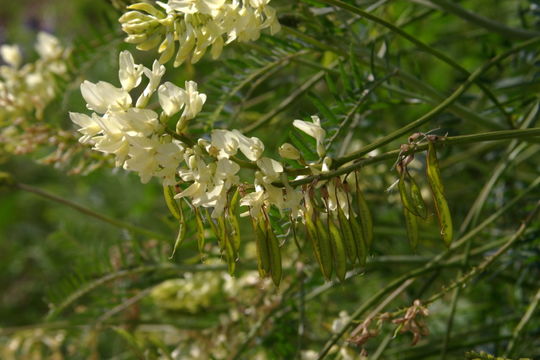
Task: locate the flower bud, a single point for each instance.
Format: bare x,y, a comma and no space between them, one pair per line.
288,151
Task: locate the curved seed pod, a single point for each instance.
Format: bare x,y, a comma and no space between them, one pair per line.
437,188
325,249
311,233
233,220
230,254
263,258
221,232
366,220
179,238
275,257
338,250
360,244
174,208
418,203
348,237
410,218
200,231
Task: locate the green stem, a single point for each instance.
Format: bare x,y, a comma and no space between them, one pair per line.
443,105
435,96
454,140
522,323
86,211
286,102
454,8
419,44
427,267
489,260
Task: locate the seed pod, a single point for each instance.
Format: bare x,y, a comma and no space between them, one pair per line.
261,241
410,218
364,214
348,237
360,244
275,256
174,208
200,231
233,220
311,233
418,203
338,250
437,188
226,244
179,238
325,249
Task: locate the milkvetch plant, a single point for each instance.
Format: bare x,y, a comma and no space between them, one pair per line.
305,148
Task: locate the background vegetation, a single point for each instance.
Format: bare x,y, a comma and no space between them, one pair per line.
98,283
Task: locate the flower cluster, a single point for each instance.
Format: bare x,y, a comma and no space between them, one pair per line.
196,25
137,135
25,90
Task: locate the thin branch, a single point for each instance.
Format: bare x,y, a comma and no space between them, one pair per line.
91,213
443,105
430,50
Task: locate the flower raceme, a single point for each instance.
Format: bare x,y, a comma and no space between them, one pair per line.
196,25
207,171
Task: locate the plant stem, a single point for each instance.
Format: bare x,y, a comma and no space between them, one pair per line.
86,211
427,267
419,44
392,155
443,105
522,323
491,25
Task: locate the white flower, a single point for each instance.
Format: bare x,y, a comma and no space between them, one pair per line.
48,47
103,96
137,122
11,55
288,151
129,73
226,142
207,7
270,168
255,201
226,172
314,130
89,126
194,100
171,98
252,147
154,77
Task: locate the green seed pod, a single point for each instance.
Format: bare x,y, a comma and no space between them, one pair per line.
233,220
410,218
172,204
364,214
325,249
200,231
311,233
437,188
418,203
261,241
179,237
348,237
359,242
338,250
275,257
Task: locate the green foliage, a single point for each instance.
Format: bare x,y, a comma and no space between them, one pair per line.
102,266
